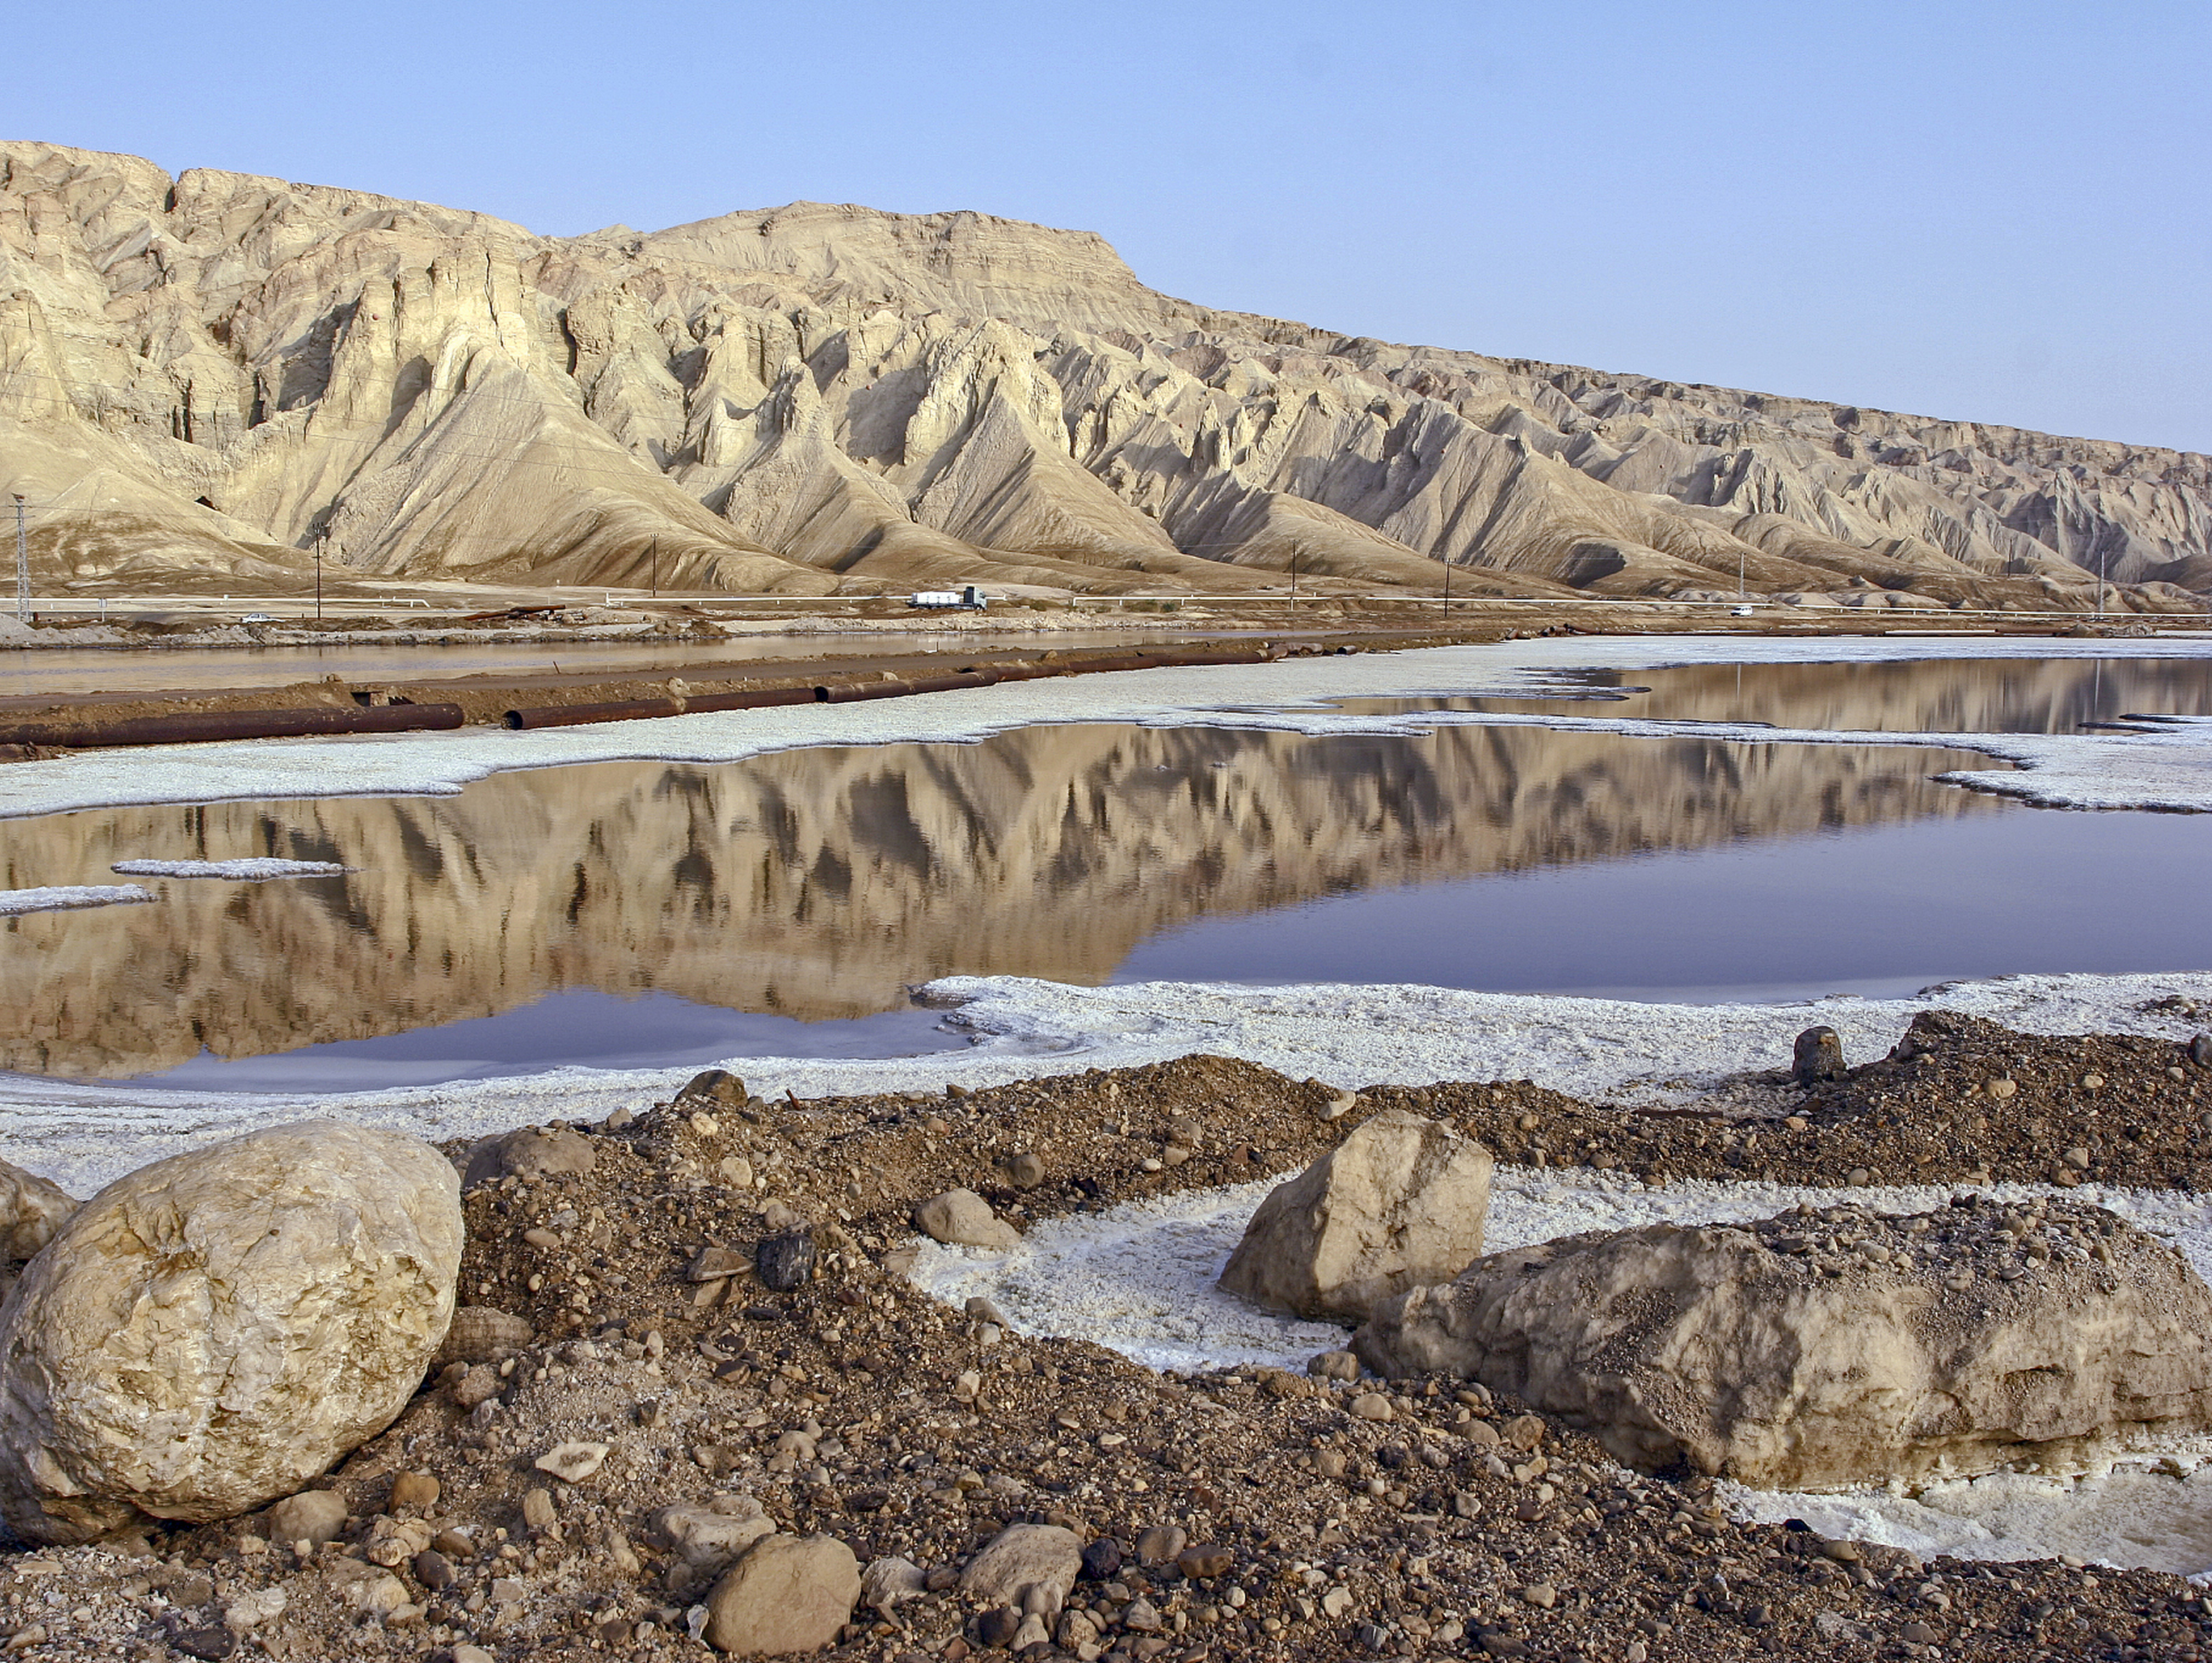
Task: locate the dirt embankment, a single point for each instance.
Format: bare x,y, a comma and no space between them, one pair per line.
1421,1518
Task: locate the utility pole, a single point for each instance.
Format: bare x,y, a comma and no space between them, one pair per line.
1447,588
1294,582
319,579
656,568
23,564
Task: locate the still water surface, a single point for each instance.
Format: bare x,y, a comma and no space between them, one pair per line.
645,913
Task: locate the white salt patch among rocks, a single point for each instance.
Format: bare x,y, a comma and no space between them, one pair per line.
257,871
68,897
2130,1516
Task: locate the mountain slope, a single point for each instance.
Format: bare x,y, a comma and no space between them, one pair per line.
218,373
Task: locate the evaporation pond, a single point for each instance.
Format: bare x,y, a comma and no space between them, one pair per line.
620,913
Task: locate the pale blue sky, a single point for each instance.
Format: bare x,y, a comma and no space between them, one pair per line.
1995,211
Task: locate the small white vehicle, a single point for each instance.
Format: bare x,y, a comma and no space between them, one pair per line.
258,617
1740,611
969,597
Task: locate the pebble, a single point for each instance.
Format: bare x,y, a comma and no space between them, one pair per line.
1371,1407
1161,1543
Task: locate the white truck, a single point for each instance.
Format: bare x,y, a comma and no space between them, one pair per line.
969,597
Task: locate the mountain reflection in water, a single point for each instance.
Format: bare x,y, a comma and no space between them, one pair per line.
820,883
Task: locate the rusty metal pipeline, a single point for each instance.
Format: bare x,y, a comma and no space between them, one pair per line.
188,728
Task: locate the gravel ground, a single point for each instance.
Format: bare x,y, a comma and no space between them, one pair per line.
1346,1519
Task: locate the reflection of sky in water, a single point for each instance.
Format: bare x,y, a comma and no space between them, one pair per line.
622,914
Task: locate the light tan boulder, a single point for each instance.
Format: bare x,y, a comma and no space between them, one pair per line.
1025,1557
786,1593
32,1209
1401,1203
962,1218
214,1330
1843,1347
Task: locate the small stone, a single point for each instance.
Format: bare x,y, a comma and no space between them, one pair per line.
2078,1158
380,1596
1858,1177
1162,1543
1023,1556
1916,1634
472,1654
1101,1559
786,1262
1205,1560
312,1516
412,1492
1335,1365
434,1570
715,1087
543,1238
985,1310
572,1462
2093,1082
995,1628
1543,1596
254,1607
1524,1431
478,1385
1371,1407
885,1583
2002,1089
786,1593
537,1510
1025,1171
1032,1632
1141,1617
482,1335
2200,1051
1336,1601
718,1265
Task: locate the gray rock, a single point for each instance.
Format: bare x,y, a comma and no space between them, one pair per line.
784,1594
713,1088
886,1582
530,1153
2200,1051
1817,1056
1333,1365
1159,1544
1399,1204
786,1262
709,1535
1025,1171
481,1333
963,1218
1786,1354
1021,1557
312,1516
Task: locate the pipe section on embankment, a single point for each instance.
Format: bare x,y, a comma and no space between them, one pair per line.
28,737
886,686
187,728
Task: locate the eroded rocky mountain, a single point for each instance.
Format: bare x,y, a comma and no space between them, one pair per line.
215,375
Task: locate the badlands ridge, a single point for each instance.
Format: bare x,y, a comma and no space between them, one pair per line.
203,380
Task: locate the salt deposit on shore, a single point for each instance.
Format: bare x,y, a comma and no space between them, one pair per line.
69,897
245,871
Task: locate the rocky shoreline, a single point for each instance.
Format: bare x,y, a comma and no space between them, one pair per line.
708,1333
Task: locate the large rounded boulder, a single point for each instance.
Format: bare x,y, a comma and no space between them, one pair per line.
209,1333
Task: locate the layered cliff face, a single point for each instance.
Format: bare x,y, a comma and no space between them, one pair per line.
217,373
817,884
